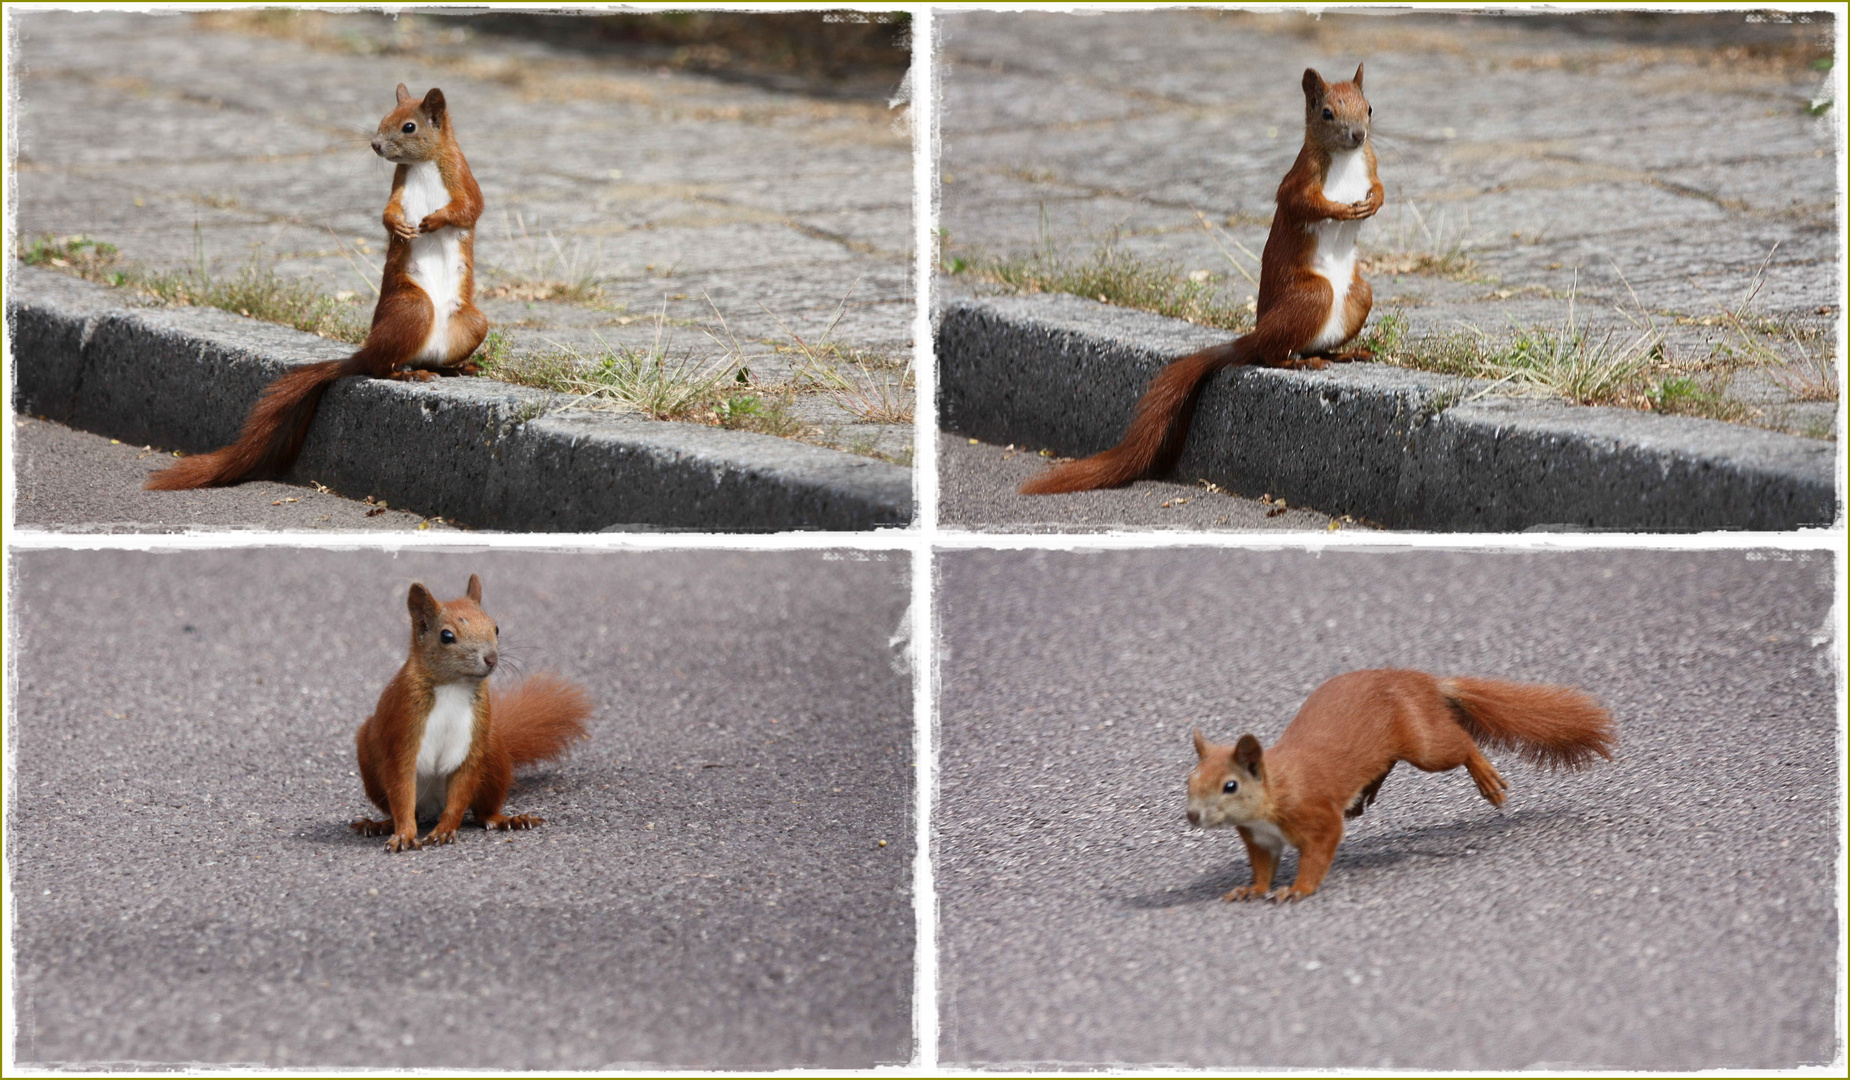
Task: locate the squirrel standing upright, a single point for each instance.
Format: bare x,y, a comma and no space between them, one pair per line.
1350,733
426,322
1312,299
440,742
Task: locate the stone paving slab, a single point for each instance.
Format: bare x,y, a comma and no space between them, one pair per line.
1572,156
179,137
1404,449
472,450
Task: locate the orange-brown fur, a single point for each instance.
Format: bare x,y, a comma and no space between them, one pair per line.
1333,758
277,425
1294,301
536,721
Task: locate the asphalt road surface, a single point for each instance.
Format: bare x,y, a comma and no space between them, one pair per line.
1673,909
976,491
72,481
709,889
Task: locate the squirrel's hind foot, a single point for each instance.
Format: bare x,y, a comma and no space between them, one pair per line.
1244,892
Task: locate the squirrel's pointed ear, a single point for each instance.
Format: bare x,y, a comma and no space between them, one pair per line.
1202,745
433,106
423,606
1358,77
1248,755
475,588
1314,86
404,93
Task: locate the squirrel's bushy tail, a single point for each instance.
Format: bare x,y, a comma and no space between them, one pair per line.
1161,425
539,719
1549,725
277,425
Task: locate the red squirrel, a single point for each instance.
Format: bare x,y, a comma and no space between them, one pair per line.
1312,299
426,321
1351,732
440,742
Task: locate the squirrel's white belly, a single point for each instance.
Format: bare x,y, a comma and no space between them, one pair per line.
436,258
447,734
1334,261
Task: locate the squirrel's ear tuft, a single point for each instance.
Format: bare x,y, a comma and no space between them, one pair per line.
1202,746
1314,86
434,107
404,93
1248,755
423,607
475,588
1358,77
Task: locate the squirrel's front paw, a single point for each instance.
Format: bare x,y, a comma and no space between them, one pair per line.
403,842
515,821
402,230
1244,892
431,223
1287,896
438,837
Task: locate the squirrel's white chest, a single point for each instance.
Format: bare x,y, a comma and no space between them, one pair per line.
436,257
1266,835
448,731
1346,182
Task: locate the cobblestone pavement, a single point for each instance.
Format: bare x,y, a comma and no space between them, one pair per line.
727,213
1612,163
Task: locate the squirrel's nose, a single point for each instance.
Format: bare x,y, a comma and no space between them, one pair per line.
491,659
1194,817
378,147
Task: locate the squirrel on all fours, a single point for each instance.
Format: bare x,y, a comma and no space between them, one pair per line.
1347,737
441,743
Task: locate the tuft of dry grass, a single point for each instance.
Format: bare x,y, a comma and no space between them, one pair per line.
1413,243
255,290
1112,276
543,270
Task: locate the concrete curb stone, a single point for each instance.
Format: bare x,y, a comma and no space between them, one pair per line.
1404,449
477,451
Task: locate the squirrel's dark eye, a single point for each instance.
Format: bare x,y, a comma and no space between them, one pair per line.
411,127
1371,110
497,631
447,638
1328,115
1227,788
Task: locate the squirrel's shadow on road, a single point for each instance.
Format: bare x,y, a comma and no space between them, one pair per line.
1446,841
335,831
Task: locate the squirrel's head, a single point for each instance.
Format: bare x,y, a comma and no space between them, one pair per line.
457,641
1228,784
1336,115
414,130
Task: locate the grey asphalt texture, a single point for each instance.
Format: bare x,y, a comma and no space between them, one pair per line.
976,491
708,891
1672,909
72,481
